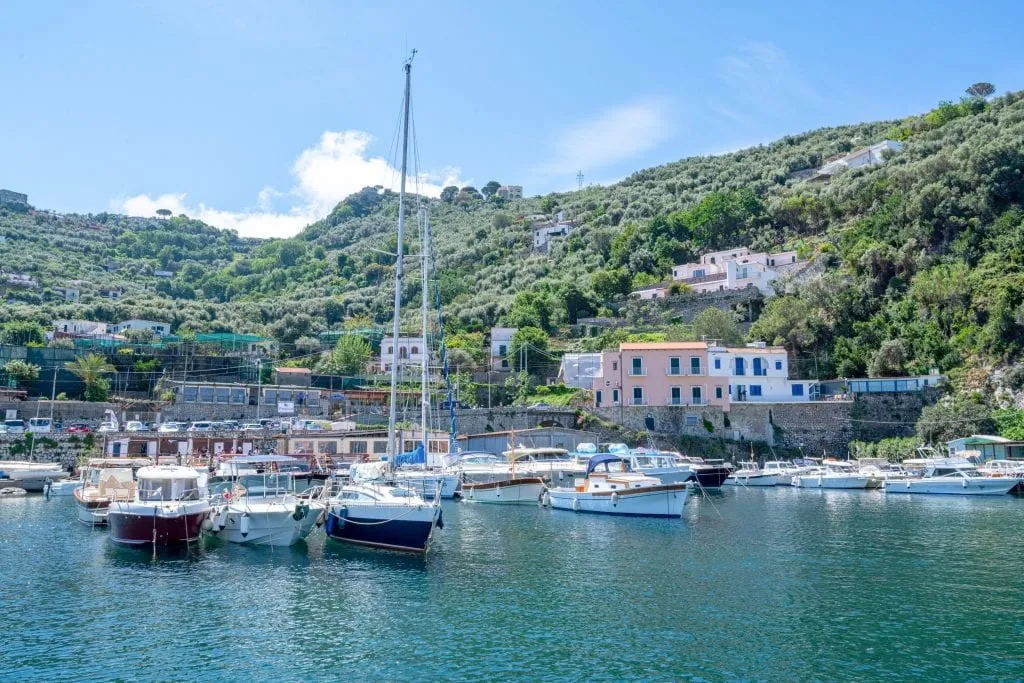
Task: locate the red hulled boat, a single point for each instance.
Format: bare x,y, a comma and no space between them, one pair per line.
169,507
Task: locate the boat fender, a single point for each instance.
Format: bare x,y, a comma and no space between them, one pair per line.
300,512
576,504
497,491
615,500
322,518
207,524
965,483
440,520
222,519
245,525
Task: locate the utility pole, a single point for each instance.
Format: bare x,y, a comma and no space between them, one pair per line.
259,386
53,392
579,179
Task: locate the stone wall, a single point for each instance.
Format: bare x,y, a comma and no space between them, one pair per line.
66,449
885,415
64,411
482,420
683,308
704,421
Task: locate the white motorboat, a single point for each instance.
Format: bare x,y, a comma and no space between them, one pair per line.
61,489
749,474
513,489
1004,468
953,476
429,482
103,480
478,467
784,471
836,474
550,464
665,466
169,508
611,487
263,507
30,476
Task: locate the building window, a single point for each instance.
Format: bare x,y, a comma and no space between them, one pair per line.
502,350
388,351
798,389
638,396
694,365
598,398
615,396
188,394
239,396
778,365
677,396
615,366
415,350
327,447
718,364
695,395
403,352
699,272
504,364
358,447
637,366
206,394
691,421
755,389
718,392
673,366
380,446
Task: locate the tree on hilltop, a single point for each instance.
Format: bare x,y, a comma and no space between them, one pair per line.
448,194
490,188
981,90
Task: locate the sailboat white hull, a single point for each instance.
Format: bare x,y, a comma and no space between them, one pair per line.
816,481
752,480
509,492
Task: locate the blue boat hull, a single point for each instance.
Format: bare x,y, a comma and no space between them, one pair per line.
406,535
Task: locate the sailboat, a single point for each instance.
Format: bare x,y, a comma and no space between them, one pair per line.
369,510
512,490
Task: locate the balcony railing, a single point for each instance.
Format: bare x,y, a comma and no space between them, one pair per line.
633,372
638,402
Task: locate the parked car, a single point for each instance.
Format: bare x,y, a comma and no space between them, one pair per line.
136,426
3,428
15,426
79,428
201,427
229,425
107,427
252,427
40,425
171,427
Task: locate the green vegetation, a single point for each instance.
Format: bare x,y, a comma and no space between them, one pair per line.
91,370
20,371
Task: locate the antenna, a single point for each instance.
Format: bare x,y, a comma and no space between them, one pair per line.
579,176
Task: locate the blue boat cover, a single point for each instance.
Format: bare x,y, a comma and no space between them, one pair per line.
606,457
415,457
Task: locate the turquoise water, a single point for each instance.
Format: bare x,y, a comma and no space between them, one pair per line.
753,584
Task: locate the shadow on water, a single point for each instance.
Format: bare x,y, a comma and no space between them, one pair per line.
339,551
132,556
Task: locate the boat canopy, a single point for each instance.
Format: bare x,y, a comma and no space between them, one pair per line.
618,448
606,458
586,448
413,457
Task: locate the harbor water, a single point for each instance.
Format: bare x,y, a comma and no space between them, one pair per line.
774,584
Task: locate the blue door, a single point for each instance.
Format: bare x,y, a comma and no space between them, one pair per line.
741,368
757,367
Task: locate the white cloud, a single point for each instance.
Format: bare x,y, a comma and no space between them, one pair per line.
613,136
337,166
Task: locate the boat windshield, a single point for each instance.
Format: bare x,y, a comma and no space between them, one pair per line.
265,485
646,461
480,459
154,490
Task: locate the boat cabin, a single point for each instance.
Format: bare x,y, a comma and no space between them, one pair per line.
165,483
609,473
539,454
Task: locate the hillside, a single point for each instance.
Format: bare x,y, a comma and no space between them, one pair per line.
925,255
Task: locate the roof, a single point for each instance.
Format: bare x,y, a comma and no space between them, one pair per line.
981,438
255,459
663,346
298,371
755,349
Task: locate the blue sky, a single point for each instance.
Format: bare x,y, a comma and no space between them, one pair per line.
259,116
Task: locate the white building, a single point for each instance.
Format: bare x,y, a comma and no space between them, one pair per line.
22,280
578,370
71,295
757,372
410,352
501,343
163,273
737,268
866,156
157,328
79,328
510,191
543,234
651,292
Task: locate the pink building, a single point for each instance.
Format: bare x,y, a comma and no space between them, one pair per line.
659,374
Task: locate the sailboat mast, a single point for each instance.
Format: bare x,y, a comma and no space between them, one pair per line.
425,368
393,411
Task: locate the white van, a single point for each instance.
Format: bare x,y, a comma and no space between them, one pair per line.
15,426
40,425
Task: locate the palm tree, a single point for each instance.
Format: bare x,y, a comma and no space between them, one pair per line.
90,369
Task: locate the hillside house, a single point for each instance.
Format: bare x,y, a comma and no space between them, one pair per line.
22,280
658,291
293,377
543,234
578,370
866,156
112,294
757,373
79,328
158,329
501,344
732,269
163,273
410,351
